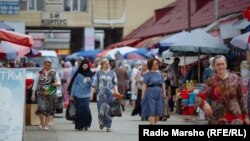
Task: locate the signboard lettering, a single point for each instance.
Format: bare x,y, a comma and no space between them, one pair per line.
53,19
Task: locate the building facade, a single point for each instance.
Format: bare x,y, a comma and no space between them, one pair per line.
72,25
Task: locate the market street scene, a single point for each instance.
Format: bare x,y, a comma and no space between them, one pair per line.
100,69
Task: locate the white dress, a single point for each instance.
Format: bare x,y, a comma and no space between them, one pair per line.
133,84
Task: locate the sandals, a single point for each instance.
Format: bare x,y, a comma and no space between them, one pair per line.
46,128
40,126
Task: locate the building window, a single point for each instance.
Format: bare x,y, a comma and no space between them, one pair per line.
67,5
36,5
31,4
23,5
39,5
75,5
83,6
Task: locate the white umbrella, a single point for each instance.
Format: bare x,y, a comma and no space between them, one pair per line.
199,41
241,41
121,50
173,39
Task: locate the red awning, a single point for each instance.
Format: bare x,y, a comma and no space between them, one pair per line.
129,42
149,42
17,38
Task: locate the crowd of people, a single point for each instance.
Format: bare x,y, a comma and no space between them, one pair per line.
150,85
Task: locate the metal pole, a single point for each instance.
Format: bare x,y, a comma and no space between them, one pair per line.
189,15
199,67
216,12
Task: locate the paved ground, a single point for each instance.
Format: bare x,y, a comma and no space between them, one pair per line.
124,128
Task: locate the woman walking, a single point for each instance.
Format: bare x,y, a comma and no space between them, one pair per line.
45,84
66,76
80,87
105,84
139,83
153,93
228,104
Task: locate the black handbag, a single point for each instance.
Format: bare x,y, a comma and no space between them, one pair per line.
115,109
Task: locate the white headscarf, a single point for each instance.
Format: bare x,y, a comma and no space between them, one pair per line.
211,63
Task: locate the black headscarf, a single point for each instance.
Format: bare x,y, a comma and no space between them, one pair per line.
85,73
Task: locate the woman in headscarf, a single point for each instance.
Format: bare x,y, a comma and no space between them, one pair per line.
45,84
66,76
80,87
105,84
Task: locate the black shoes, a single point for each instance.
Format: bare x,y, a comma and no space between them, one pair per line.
79,129
86,128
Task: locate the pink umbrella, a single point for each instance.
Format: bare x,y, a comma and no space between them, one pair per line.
12,51
135,56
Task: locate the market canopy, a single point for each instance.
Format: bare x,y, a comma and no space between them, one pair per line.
166,42
10,50
89,53
16,38
140,51
199,41
241,41
121,51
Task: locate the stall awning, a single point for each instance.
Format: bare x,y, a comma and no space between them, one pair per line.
241,24
149,42
129,42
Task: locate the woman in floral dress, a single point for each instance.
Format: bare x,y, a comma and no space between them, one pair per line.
105,84
228,104
46,84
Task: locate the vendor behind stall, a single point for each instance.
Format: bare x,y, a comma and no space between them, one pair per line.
174,75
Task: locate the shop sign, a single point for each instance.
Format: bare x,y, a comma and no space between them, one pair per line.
36,35
53,19
89,38
54,5
38,43
12,103
62,51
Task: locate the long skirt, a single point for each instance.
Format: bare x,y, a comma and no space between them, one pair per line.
46,105
137,108
104,99
83,113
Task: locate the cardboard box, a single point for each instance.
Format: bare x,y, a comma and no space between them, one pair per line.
31,117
